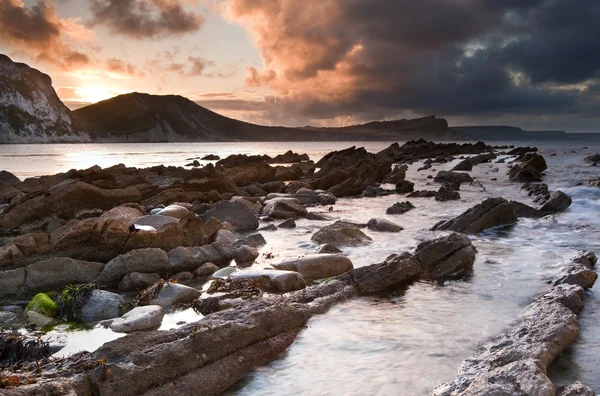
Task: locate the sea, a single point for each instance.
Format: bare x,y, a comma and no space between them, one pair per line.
414,338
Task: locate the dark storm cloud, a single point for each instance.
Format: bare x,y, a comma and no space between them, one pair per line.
373,59
141,19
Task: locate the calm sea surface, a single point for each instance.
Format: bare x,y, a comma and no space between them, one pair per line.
410,341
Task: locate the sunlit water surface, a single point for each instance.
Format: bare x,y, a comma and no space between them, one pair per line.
411,340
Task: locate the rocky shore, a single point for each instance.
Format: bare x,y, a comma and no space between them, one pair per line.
78,246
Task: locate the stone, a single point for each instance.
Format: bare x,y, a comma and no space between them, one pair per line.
245,255
173,293
224,237
341,233
329,248
422,194
592,159
137,281
150,260
235,213
404,186
7,318
223,272
579,272
490,213
253,240
446,193
139,318
211,157
289,223
42,304
558,202
274,281
181,277
38,319
576,389
188,258
528,169
452,177
12,284
56,273
155,221
397,174
464,165
317,266
176,211
383,225
523,210
7,178
101,305
284,209
400,208
206,269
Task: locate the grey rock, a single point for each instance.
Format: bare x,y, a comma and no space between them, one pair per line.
317,266
155,221
181,277
289,223
245,255
223,272
254,240
383,225
235,213
492,212
275,281
400,208
101,305
329,248
558,202
148,260
224,237
445,193
187,258
7,318
139,318
576,389
56,273
12,284
284,209
206,269
341,233
38,319
452,177
174,293
137,281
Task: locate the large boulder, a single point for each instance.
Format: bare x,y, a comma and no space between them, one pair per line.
245,255
150,260
139,318
56,273
341,233
558,202
236,213
284,208
529,168
317,266
274,281
492,212
446,193
451,177
101,305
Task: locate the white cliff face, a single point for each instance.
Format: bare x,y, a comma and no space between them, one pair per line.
30,110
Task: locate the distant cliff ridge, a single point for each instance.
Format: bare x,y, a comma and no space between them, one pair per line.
514,133
31,112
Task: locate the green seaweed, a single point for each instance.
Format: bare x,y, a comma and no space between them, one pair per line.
72,299
43,304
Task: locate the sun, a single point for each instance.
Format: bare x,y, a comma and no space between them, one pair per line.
93,94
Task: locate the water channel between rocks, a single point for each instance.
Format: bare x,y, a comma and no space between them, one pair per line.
415,338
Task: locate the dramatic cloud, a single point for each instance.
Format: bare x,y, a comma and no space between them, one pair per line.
142,19
373,59
38,32
120,67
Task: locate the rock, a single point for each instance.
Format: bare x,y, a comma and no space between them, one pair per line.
56,273
8,318
341,233
422,194
38,319
274,281
170,294
223,273
284,209
149,260
318,265
205,270
528,169
452,177
576,389
492,212
305,191
593,182
526,211
245,255
397,174
181,277
211,157
190,258
235,213
539,191
254,240
592,159
42,304
12,284
137,281
101,305
224,237
465,165
579,272
270,227
155,221
289,223
558,202
400,208
446,193
318,216
383,225
139,318
13,309
289,157
329,248
404,186
7,178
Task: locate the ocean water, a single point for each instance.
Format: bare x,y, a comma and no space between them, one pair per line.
415,338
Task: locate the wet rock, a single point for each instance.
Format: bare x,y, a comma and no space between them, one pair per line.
254,240
492,212
101,305
139,318
7,318
206,269
289,223
593,182
422,194
274,281
529,168
42,304
235,213
317,266
149,260
181,277
350,187
421,149
558,202
223,272
329,248
245,255
155,221
289,157
452,177
7,178
56,273
539,191
211,157
188,258
404,186
38,319
12,284
341,233
167,294
465,165
592,159
137,281
284,209
176,211
225,237
397,174
400,208
523,210
318,216
446,193
576,389
383,225
579,272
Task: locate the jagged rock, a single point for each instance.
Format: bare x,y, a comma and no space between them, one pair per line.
539,191
421,149
350,187
464,165
254,240
399,208
56,273
523,210
245,255
422,194
446,193
404,186
579,272
169,294
576,389
7,178
492,212
286,208
235,213
341,233
317,266
452,177
211,157
101,305
275,281
289,157
255,206
383,225
206,269
558,202
289,223
139,318
137,281
593,182
397,174
592,159
528,169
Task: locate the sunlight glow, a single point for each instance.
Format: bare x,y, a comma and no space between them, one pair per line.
93,94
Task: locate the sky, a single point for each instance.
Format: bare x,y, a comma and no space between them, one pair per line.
528,63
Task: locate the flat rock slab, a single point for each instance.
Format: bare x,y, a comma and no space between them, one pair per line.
139,318
490,213
318,265
276,281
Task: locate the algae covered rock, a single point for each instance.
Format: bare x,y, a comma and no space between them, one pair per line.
42,304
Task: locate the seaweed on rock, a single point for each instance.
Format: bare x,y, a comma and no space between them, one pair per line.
73,298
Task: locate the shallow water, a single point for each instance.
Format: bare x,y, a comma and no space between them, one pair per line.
409,341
